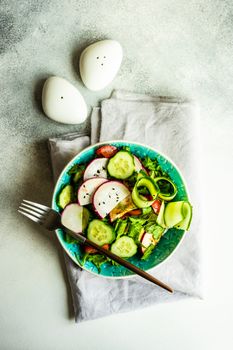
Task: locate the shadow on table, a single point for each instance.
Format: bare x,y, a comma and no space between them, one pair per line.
38,187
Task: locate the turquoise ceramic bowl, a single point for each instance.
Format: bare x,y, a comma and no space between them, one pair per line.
168,242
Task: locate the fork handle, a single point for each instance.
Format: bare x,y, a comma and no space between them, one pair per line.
121,261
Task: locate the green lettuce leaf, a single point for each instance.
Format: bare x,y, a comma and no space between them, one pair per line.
130,182
77,171
153,166
136,226
69,239
148,252
96,259
146,211
155,229
126,148
150,164
121,227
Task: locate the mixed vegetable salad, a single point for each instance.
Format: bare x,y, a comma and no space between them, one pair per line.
122,203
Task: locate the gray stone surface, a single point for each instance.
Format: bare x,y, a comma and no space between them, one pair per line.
171,47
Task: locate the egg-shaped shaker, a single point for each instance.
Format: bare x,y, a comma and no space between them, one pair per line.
62,102
99,63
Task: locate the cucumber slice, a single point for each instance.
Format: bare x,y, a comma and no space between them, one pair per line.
173,213
100,233
160,218
171,193
187,212
139,200
124,247
121,166
65,196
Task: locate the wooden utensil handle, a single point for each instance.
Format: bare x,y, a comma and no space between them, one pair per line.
122,262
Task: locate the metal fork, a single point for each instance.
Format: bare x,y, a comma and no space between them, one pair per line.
51,220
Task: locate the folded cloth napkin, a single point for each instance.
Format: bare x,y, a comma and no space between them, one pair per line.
171,126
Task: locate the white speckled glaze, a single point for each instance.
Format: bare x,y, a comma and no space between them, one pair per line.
99,64
62,102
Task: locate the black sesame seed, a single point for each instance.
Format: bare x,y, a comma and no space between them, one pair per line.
103,202
99,203
109,196
113,188
98,172
104,168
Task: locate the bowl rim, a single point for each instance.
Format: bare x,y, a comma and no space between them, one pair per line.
65,170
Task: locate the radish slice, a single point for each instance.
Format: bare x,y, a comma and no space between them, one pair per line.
107,196
96,168
146,240
87,189
138,164
71,217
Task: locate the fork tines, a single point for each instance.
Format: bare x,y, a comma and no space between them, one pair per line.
34,211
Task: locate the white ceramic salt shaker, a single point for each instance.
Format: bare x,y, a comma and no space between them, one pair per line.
99,63
62,102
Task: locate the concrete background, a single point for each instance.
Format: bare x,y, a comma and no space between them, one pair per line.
171,47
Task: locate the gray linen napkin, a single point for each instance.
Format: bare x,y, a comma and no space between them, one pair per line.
172,126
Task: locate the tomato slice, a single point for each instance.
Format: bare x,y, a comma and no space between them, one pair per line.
134,212
90,250
106,246
156,206
148,197
106,151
